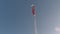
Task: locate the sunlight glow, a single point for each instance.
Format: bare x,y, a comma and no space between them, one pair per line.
57,29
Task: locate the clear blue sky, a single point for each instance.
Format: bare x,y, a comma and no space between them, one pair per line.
16,16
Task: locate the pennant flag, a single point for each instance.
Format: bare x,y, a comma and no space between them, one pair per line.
33,9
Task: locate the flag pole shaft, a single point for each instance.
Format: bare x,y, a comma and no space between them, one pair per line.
35,25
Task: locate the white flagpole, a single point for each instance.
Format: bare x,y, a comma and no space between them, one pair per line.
35,25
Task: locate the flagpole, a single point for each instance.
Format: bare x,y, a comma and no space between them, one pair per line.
35,24
35,18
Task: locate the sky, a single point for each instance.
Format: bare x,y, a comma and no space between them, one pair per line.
16,16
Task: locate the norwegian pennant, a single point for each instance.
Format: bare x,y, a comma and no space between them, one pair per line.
33,10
